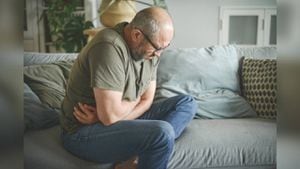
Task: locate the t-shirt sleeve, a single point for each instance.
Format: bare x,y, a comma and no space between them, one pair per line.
154,74
155,63
106,67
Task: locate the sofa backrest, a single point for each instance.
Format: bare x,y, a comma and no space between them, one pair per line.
33,58
210,73
257,52
190,70
211,67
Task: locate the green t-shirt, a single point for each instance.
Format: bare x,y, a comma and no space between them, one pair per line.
105,63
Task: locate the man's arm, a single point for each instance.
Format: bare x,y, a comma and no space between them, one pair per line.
110,106
144,104
88,115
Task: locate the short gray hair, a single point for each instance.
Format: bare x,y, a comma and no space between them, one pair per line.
145,21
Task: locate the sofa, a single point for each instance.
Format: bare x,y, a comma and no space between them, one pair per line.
234,127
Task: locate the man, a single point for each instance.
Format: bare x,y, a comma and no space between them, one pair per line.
108,115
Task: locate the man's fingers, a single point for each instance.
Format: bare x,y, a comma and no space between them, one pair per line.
79,117
87,107
79,112
83,109
91,108
85,114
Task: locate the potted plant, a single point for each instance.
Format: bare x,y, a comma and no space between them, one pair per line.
67,25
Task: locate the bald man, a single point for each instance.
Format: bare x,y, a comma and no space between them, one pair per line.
108,114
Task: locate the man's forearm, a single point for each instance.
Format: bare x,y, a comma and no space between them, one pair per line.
139,109
127,107
113,108
144,104
123,110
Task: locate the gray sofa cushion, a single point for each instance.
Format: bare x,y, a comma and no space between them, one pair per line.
45,76
226,143
36,114
210,75
43,150
193,70
48,81
220,143
221,103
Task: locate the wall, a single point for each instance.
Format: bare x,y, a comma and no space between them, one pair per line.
196,21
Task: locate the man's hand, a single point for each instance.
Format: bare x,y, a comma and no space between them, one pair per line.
86,114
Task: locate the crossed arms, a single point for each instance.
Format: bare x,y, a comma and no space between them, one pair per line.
110,108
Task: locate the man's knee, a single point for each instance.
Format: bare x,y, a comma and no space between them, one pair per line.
164,131
188,101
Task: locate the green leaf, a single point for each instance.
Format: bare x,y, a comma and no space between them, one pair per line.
66,27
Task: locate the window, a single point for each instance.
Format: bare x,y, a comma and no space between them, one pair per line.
246,26
270,27
30,26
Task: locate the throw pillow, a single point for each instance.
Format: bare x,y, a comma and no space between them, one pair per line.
48,81
210,75
217,104
259,85
221,103
198,69
36,114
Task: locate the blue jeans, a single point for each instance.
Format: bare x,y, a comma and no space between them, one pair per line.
150,137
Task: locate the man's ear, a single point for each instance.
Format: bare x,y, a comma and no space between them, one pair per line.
136,35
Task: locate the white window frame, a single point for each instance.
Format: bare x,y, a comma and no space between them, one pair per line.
91,11
31,35
268,14
262,25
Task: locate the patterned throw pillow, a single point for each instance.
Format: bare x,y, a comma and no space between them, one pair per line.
259,85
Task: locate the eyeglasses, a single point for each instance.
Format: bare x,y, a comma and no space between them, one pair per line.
157,49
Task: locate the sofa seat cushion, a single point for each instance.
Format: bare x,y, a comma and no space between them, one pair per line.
226,143
230,143
43,150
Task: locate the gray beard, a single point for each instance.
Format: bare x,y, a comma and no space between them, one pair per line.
135,54
137,57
